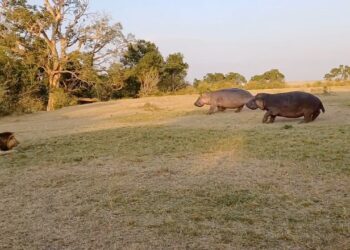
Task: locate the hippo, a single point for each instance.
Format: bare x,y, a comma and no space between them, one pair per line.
223,99
7,141
290,104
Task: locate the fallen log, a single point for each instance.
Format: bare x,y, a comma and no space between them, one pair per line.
87,100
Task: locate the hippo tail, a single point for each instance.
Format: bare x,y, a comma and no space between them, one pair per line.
322,108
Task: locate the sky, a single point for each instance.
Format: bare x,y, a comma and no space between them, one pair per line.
302,38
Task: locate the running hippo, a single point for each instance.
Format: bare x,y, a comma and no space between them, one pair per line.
291,105
224,99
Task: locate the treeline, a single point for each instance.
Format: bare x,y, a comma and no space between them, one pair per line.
53,54
338,76
212,81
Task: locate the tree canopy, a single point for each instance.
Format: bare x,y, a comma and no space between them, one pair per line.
55,34
58,49
341,73
273,75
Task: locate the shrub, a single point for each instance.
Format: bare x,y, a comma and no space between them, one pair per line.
188,90
265,85
63,99
204,86
29,104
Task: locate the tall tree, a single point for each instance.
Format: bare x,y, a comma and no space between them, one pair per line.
342,73
273,75
136,51
60,27
142,60
236,78
214,77
175,71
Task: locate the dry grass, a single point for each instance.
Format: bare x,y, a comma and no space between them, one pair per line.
157,173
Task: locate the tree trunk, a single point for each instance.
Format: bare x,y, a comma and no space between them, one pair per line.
53,86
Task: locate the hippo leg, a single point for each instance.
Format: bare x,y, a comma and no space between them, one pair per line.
315,114
272,119
266,116
239,109
221,109
211,109
307,118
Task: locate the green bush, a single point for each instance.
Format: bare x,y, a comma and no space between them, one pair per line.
29,104
4,107
328,84
63,99
204,86
265,85
188,90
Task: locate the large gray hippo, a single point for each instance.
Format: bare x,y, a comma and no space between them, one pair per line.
233,98
290,104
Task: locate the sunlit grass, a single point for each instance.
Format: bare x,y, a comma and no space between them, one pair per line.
194,181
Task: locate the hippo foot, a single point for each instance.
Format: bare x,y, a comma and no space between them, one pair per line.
239,110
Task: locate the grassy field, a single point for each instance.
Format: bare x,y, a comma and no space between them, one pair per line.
155,173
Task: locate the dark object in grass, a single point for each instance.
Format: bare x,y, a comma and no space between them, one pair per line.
87,100
220,100
287,126
290,104
8,141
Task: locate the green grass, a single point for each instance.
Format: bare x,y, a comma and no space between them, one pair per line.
200,182
327,147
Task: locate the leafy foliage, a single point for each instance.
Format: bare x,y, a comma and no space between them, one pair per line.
174,73
215,81
273,75
146,72
342,73
58,49
57,41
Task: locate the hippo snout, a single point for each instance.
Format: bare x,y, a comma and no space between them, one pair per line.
252,104
198,103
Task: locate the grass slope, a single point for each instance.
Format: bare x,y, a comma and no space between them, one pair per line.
172,177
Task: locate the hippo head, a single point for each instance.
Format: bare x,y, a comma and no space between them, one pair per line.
257,102
202,100
12,142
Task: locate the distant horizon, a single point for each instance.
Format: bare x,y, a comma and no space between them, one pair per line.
303,39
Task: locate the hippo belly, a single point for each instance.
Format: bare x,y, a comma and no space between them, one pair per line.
231,102
288,112
291,115
231,99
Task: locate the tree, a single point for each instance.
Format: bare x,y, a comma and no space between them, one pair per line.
149,80
342,73
273,75
136,51
235,78
55,30
213,77
20,79
140,58
174,73
196,82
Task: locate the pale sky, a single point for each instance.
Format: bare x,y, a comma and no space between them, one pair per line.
302,38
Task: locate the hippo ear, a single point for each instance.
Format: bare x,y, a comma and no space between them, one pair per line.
260,103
